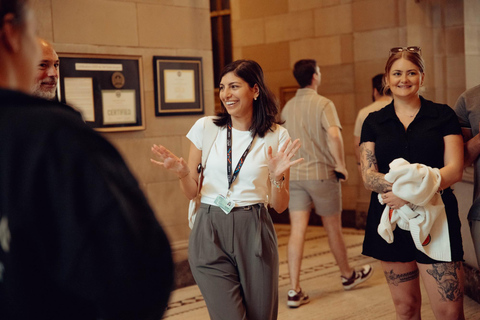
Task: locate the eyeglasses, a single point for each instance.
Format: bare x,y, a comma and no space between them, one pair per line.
413,49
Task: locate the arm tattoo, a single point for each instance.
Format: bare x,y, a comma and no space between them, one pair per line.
371,159
447,280
397,278
374,180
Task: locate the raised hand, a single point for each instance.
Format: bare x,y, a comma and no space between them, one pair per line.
170,161
281,162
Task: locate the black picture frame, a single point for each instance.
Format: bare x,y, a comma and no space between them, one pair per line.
178,85
113,86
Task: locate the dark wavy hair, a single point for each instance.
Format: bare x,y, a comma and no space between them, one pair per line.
379,84
265,108
413,57
303,71
16,7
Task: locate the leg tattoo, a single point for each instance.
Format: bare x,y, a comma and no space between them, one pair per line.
447,280
397,278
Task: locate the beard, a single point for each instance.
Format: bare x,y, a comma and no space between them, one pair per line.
44,93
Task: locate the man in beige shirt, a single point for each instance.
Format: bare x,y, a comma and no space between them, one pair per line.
315,182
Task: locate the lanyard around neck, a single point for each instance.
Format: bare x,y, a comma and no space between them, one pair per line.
232,177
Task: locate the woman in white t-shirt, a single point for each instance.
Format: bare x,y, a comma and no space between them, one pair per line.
233,246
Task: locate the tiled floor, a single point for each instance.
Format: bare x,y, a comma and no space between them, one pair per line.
320,278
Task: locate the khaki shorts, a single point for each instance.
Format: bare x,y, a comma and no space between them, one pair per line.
324,195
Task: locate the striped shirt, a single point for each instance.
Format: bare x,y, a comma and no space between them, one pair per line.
307,117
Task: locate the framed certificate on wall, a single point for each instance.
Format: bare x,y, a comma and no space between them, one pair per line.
106,89
178,85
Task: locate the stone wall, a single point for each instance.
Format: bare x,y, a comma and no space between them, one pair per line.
350,39
144,28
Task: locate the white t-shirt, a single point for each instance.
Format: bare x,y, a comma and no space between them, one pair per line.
251,185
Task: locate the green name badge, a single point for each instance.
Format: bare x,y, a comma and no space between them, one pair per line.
225,204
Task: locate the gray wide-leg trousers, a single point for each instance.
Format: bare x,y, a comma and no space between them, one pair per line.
234,260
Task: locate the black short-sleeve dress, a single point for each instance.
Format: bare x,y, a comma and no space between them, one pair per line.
422,142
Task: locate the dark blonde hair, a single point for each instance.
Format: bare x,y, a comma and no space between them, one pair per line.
413,57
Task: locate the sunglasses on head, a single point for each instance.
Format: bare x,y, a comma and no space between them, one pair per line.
413,49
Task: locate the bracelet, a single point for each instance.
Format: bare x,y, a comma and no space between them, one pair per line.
277,184
180,178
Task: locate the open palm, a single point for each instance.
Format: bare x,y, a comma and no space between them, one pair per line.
168,160
281,162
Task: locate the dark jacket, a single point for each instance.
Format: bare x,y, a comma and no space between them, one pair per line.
78,239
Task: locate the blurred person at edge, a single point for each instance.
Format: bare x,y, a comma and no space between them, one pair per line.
426,135
46,78
467,109
78,239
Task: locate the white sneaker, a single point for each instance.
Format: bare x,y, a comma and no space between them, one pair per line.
296,299
359,275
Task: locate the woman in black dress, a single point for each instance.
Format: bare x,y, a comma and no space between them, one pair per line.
421,132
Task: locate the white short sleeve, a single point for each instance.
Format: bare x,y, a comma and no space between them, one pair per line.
283,137
195,135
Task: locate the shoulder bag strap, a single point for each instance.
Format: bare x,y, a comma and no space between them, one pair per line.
210,131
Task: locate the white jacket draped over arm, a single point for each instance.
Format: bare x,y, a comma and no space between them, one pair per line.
425,214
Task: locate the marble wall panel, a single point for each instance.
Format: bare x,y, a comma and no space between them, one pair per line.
376,44
333,20
295,5
43,12
276,80
374,14
420,14
421,36
248,33
252,9
454,13
205,4
287,27
337,79
365,71
471,8
346,42
472,76
472,39
271,57
455,76
455,40
326,50
111,23
178,27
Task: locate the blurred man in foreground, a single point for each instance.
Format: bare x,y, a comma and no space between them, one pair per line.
78,239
